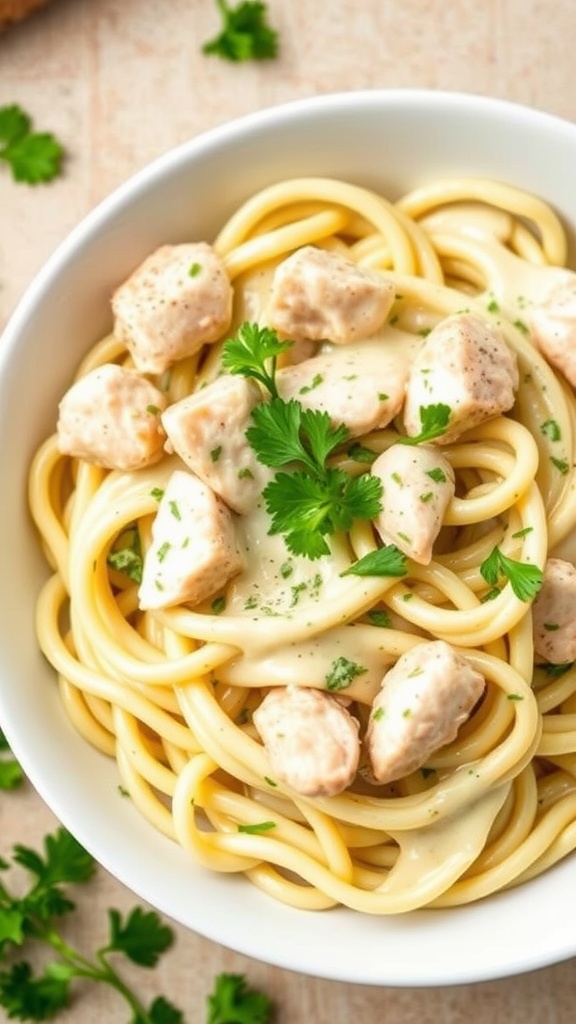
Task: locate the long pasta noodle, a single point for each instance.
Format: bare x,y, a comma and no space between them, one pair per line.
170,693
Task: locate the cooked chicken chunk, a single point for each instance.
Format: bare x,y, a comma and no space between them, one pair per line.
193,552
553,327
177,300
320,295
111,418
311,740
360,385
425,698
465,364
554,613
417,487
208,431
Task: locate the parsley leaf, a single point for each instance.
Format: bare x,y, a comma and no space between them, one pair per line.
11,774
284,432
385,561
33,157
524,578
342,673
245,35
233,1002
314,499
305,508
253,352
434,420
126,555
141,937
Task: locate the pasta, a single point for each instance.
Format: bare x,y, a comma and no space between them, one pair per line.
170,693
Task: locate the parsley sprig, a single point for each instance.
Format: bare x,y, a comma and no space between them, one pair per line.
313,500
524,578
33,157
245,33
140,936
253,352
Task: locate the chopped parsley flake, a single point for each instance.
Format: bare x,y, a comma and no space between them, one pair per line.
551,430
194,269
173,506
560,464
437,474
258,828
314,383
216,453
218,604
342,673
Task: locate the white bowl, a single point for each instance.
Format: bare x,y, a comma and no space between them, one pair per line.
389,140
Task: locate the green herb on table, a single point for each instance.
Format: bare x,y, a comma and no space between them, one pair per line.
314,499
524,578
11,774
140,936
245,33
233,1002
33,157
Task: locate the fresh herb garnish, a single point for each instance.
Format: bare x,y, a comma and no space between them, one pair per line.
33,157
524,578
126,555
233,1002
33,916
245,33
257,828
551,430
313,500
11,774
253,352
342,673
434,420
385,561
360,453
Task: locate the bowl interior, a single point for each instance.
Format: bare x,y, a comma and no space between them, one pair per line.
391,141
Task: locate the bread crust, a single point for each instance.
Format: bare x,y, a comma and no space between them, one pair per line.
14,10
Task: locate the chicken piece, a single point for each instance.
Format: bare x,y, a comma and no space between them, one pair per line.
193,552
417,487
311,739
111,418
424,699
466,364
177,300
360,385
552,324
320,295
208,431
554,613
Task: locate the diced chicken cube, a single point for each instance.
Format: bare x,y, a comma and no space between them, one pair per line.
417,487
360,385
425,698
208,431
111,418
465,364
552,325
177,300
321,295
311,740
554,613
193,552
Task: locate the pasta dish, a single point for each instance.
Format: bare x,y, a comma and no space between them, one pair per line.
309,516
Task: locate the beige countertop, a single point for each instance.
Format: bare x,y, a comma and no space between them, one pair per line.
122,81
